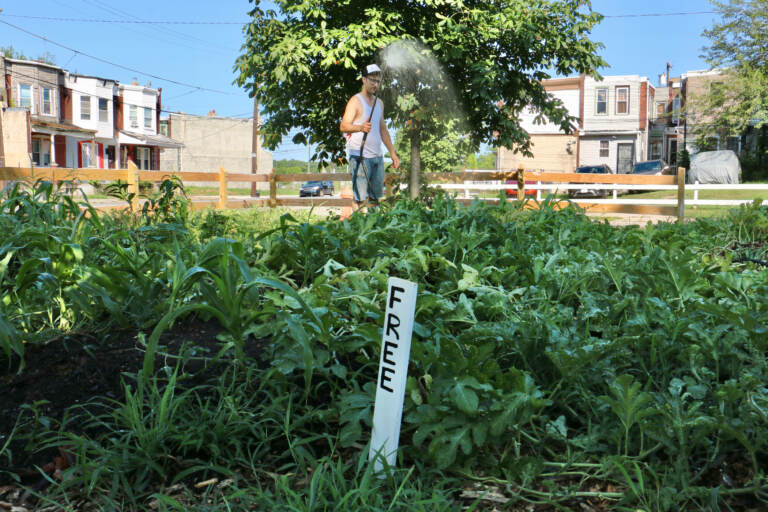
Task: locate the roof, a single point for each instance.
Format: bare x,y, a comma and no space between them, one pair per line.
59,127
162,141
33,63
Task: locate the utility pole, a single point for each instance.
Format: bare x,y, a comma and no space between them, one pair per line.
255,147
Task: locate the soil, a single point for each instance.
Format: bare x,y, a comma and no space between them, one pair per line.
78,370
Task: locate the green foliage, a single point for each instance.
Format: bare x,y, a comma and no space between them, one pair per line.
12,53
301,62
737,46
552,355
445,152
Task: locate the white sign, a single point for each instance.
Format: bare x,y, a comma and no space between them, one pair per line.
393,370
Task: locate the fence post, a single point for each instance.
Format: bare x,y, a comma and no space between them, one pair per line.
133,184
222,188
680,194
272,189
521,183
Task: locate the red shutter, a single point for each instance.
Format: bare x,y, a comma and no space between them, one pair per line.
100,149
79,154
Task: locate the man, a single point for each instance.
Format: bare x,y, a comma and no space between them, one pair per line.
368,168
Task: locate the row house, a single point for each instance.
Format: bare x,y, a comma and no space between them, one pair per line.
35,131
615,121
667,127
552,149
612,125
621,120
56,118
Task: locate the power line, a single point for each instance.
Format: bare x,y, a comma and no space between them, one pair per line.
105,61
657,14
167,31
136,22
185,22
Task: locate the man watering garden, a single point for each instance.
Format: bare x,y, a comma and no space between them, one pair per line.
364,128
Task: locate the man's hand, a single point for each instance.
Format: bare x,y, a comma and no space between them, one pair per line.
365,127
395,161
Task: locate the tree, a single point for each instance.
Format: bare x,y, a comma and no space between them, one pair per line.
439,153
12,53
738,46
302,60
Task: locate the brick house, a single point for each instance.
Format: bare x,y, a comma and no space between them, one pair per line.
697,84
667,128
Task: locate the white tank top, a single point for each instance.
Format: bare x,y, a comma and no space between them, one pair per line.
373,142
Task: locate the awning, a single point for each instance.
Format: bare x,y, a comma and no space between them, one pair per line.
141,139
50,127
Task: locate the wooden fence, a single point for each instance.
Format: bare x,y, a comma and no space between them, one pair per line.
519,180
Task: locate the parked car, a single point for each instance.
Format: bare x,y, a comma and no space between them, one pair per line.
316,188
715,167
653,168
512,192
591,192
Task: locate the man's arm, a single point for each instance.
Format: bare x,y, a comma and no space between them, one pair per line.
387,140
350,114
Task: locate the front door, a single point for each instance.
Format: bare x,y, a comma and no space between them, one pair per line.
625,157
672,151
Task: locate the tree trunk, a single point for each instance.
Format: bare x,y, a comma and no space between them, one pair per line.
415,164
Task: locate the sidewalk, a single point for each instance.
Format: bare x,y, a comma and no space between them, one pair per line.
625,219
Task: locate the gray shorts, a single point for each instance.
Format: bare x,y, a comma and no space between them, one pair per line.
374,167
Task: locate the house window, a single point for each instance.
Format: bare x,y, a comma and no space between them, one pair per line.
604,149
134,116
143,155
41,152
103,111
676,109
147,118
47,101
25,96
655,150
622,100
85,108
661,109
601,106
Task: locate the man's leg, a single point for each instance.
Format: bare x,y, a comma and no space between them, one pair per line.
359,183
375,168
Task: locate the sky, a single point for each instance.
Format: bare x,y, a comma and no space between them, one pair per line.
193,63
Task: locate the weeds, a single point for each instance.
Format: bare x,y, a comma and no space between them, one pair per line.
564,359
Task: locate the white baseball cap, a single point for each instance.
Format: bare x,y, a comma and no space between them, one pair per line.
370,69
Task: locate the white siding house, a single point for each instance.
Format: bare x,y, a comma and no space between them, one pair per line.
137,126
92,109
615,121
552,148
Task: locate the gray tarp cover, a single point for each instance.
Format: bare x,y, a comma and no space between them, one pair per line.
715,167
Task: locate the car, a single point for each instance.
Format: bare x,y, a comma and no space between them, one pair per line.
512,192
316,188
591,192
652,168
